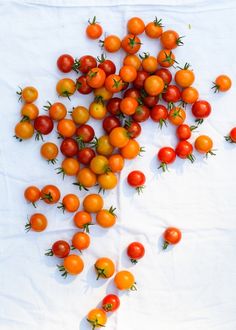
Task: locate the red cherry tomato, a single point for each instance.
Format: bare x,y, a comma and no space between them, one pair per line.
165,75
132,92
113,106
43,125
166,155
159,113
171,235
138,83
137,180
232,136
85,155
85,133
150,101
201,109
106,65
135,251
184,149
110,303
65,63
109,123
60,249
184,131
141,114
133,128
69,147
86,63
82,86
172,94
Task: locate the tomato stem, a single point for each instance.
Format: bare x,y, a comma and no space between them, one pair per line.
228,139
62,207
140,189
164,167
215,87
134,261
49,253
161,123
165,245
81,187
63,270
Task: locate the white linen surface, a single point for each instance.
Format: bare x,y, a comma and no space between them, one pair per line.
193,285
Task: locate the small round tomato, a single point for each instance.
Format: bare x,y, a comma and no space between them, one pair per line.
56,111
28,94
107,181
93,203
183,132
184,77
94,29
106,65
150,101
103,146
203,144
81,241
201,109
171,94
60,249
142,75
37,222
124,280
99,164
83,220
109,123
86,63
116,163
43,125
80,115
128,73
189,95
141,114
166,58
84,134
24,130
149,63
170,39
165,75
133,128
106,218
159,114
96,78
232,136
135,251
166,155
72,265
65,63
137,180
135,25
131,44
97,110
66,87
111,43
69,147
70,203
114,83
110,303
222,84
29,111
133,60
97,318
86,179
69,166
131,150
119,137
49,151
32,194
128,105
50,194
154,85
82,86
102,94
113,106
66,127
85,155
133,92
171,235
104,267
184,150
177,116
154,29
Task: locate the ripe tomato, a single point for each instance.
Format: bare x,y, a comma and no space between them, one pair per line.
171,94
170,39
116,163
106,218
104,267
124,280
106,65
119,137
184,77
94,29
32,194
70,203
43,125
28,94
128,105
133,128
135,25
128,73
66,87
232,136
111,43
107,181
189,95
82,86
24,130
81,241
102,94
83,220
29,111
86,179
109,123
131,150
159,113
166,155
133,92
184,132
184,150
84,134
154,29
177,116
69,166
150,101
114,83
171,235
133,60
69,147
135,251
113,106
60,249
203,144
142,75
131,44
37,222
93,203
165,75
103,146
65,63
86,63
154,85
49,151
80,115
110,303
149,63
66,127
50,194
97,110
99,165
72,265
96,78
141,114
222,84
137,180
56,111
166,58
85,155
97,318
201,109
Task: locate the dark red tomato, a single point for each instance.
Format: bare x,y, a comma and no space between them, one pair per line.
85,155
184,131
69,147
85,133
125,86
201,109
61,249
165,75
134,129
159,113
137,180
43,125
138,83
110,303
150,101
86,63
108,67
109,123
166,155
132,92
82,86
184,149
65,63
113,106
141,114
135,251
172,94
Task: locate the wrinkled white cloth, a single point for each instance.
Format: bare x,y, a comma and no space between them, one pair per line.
191,286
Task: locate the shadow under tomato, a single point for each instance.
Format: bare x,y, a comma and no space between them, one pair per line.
160,243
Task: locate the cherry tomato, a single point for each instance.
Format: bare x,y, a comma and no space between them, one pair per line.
171,235
170,39
154,85
97,318
119,137
83,220
43,125
114,83
69,147
81,241
80,115
159,113
70,203
166,58
106,65
50,194
133,128
184,131
113,106
135,251
49,151
107,181
132,59
203,144
24,130
135,25
222,84
32,194
184,150
104,267
97,110
110,303
154,29
82,86
138,83
96,78
109,123
85,155
133,92
56,111
66,87
116,163
93,203
131,44
184,77
106,218
103,146
66,127
60,249
86,179
28,94
131,150
149,63
201,109
37,222
94,29
29,111
65,63
141,114
72,265
128,105
177,116
128,73
165,75
137,180
189,95
99,165
171,94
102,94
84,134
69,166
150,101
232,136
86,63
124,280
111,43
166,155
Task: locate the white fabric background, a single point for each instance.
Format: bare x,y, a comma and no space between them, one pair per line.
192,286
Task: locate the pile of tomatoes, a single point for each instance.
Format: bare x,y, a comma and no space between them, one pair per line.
145,87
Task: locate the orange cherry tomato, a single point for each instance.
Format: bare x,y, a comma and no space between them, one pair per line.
133,60
124,280
97,110
116,163
24,130
80,115
128,73
170,39
56,111
37,222
50,194
28,94
107,181
131,44
96,78
69,166
81,241
70,203
154,85
171,235
99,164
103,94
111,43
154,29
184,77
66,87
149,63
97,318
222,84
94,29
106,218
32,194
86,178
114,83
189,95
83,220
104,268
66,127
72,264
166,58
203,144
128,105
103,146
131,150
135,25
119,137
29,111
93,203
49,151
177,116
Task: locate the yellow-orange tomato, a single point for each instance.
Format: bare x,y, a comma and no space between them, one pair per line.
131,150
104,267
99,164
24,130
56,111
32,194
73,265
184,77
50,194
128,105
119,137
114,83
124,280
94,29
93,203
103,146
106,218
133,60
154,85
154,29
66,87
177,116
83,220
116,163
29,111
96,78
86,178
107,181
81,241
189,95
97,318
222,83
149,63
70,203
80,115
203,144
37,222
136,25
112,43
66,127
97,110
69,166
28,94
102,94
49,151
166,58
128,73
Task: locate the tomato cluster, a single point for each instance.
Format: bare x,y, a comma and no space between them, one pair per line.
145,87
